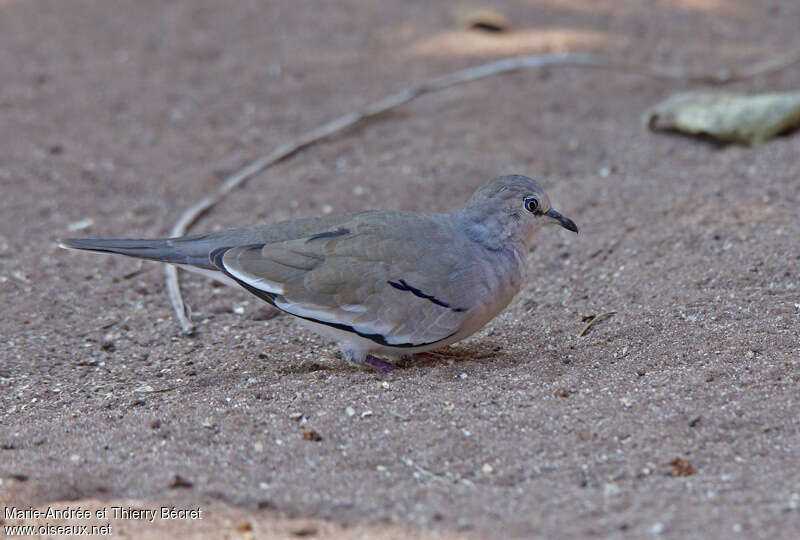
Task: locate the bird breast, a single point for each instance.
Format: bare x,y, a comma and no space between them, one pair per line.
498,275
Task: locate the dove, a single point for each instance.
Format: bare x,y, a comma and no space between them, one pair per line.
383,285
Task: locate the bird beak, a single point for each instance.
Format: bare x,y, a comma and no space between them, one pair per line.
561,220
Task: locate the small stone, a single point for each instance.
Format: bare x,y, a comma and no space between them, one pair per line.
258,447
246,529
487,469
366,413
311,435
656,528
179,481
80,225
305,531
75,458
350,411
682,467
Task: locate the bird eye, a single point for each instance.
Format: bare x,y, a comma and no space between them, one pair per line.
531,204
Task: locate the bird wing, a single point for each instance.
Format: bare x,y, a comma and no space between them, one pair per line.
398,279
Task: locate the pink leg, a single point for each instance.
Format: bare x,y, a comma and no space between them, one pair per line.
378,365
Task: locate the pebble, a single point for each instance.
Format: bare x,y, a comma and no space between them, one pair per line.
80,225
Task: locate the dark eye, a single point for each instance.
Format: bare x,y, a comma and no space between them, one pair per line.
531,204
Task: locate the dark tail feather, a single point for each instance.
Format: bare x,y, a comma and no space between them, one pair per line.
169,250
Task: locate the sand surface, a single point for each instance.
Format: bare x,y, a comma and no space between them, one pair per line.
679,416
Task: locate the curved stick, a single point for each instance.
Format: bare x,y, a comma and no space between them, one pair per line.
506,65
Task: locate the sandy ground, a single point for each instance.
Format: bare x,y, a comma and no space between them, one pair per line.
677,417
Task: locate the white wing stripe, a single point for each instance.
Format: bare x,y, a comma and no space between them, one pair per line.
254,281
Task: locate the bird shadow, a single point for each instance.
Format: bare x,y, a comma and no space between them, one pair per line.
451,355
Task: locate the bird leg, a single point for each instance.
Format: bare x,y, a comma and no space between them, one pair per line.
370,361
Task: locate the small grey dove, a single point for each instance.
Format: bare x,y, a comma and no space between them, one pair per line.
382,284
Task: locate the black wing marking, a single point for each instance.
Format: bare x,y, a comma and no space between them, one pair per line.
330,234
403,286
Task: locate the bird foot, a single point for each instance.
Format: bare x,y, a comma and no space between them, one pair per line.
378,365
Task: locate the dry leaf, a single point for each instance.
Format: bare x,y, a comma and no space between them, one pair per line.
749,119
484,19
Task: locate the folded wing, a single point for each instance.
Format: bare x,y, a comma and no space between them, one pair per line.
397,280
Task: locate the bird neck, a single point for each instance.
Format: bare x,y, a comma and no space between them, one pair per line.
493,231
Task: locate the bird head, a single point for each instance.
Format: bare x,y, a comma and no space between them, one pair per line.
512,208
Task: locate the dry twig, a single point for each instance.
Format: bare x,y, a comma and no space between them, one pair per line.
595,319
507,65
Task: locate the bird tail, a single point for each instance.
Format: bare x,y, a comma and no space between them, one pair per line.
189,250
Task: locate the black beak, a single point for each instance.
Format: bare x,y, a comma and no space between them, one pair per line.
563,221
